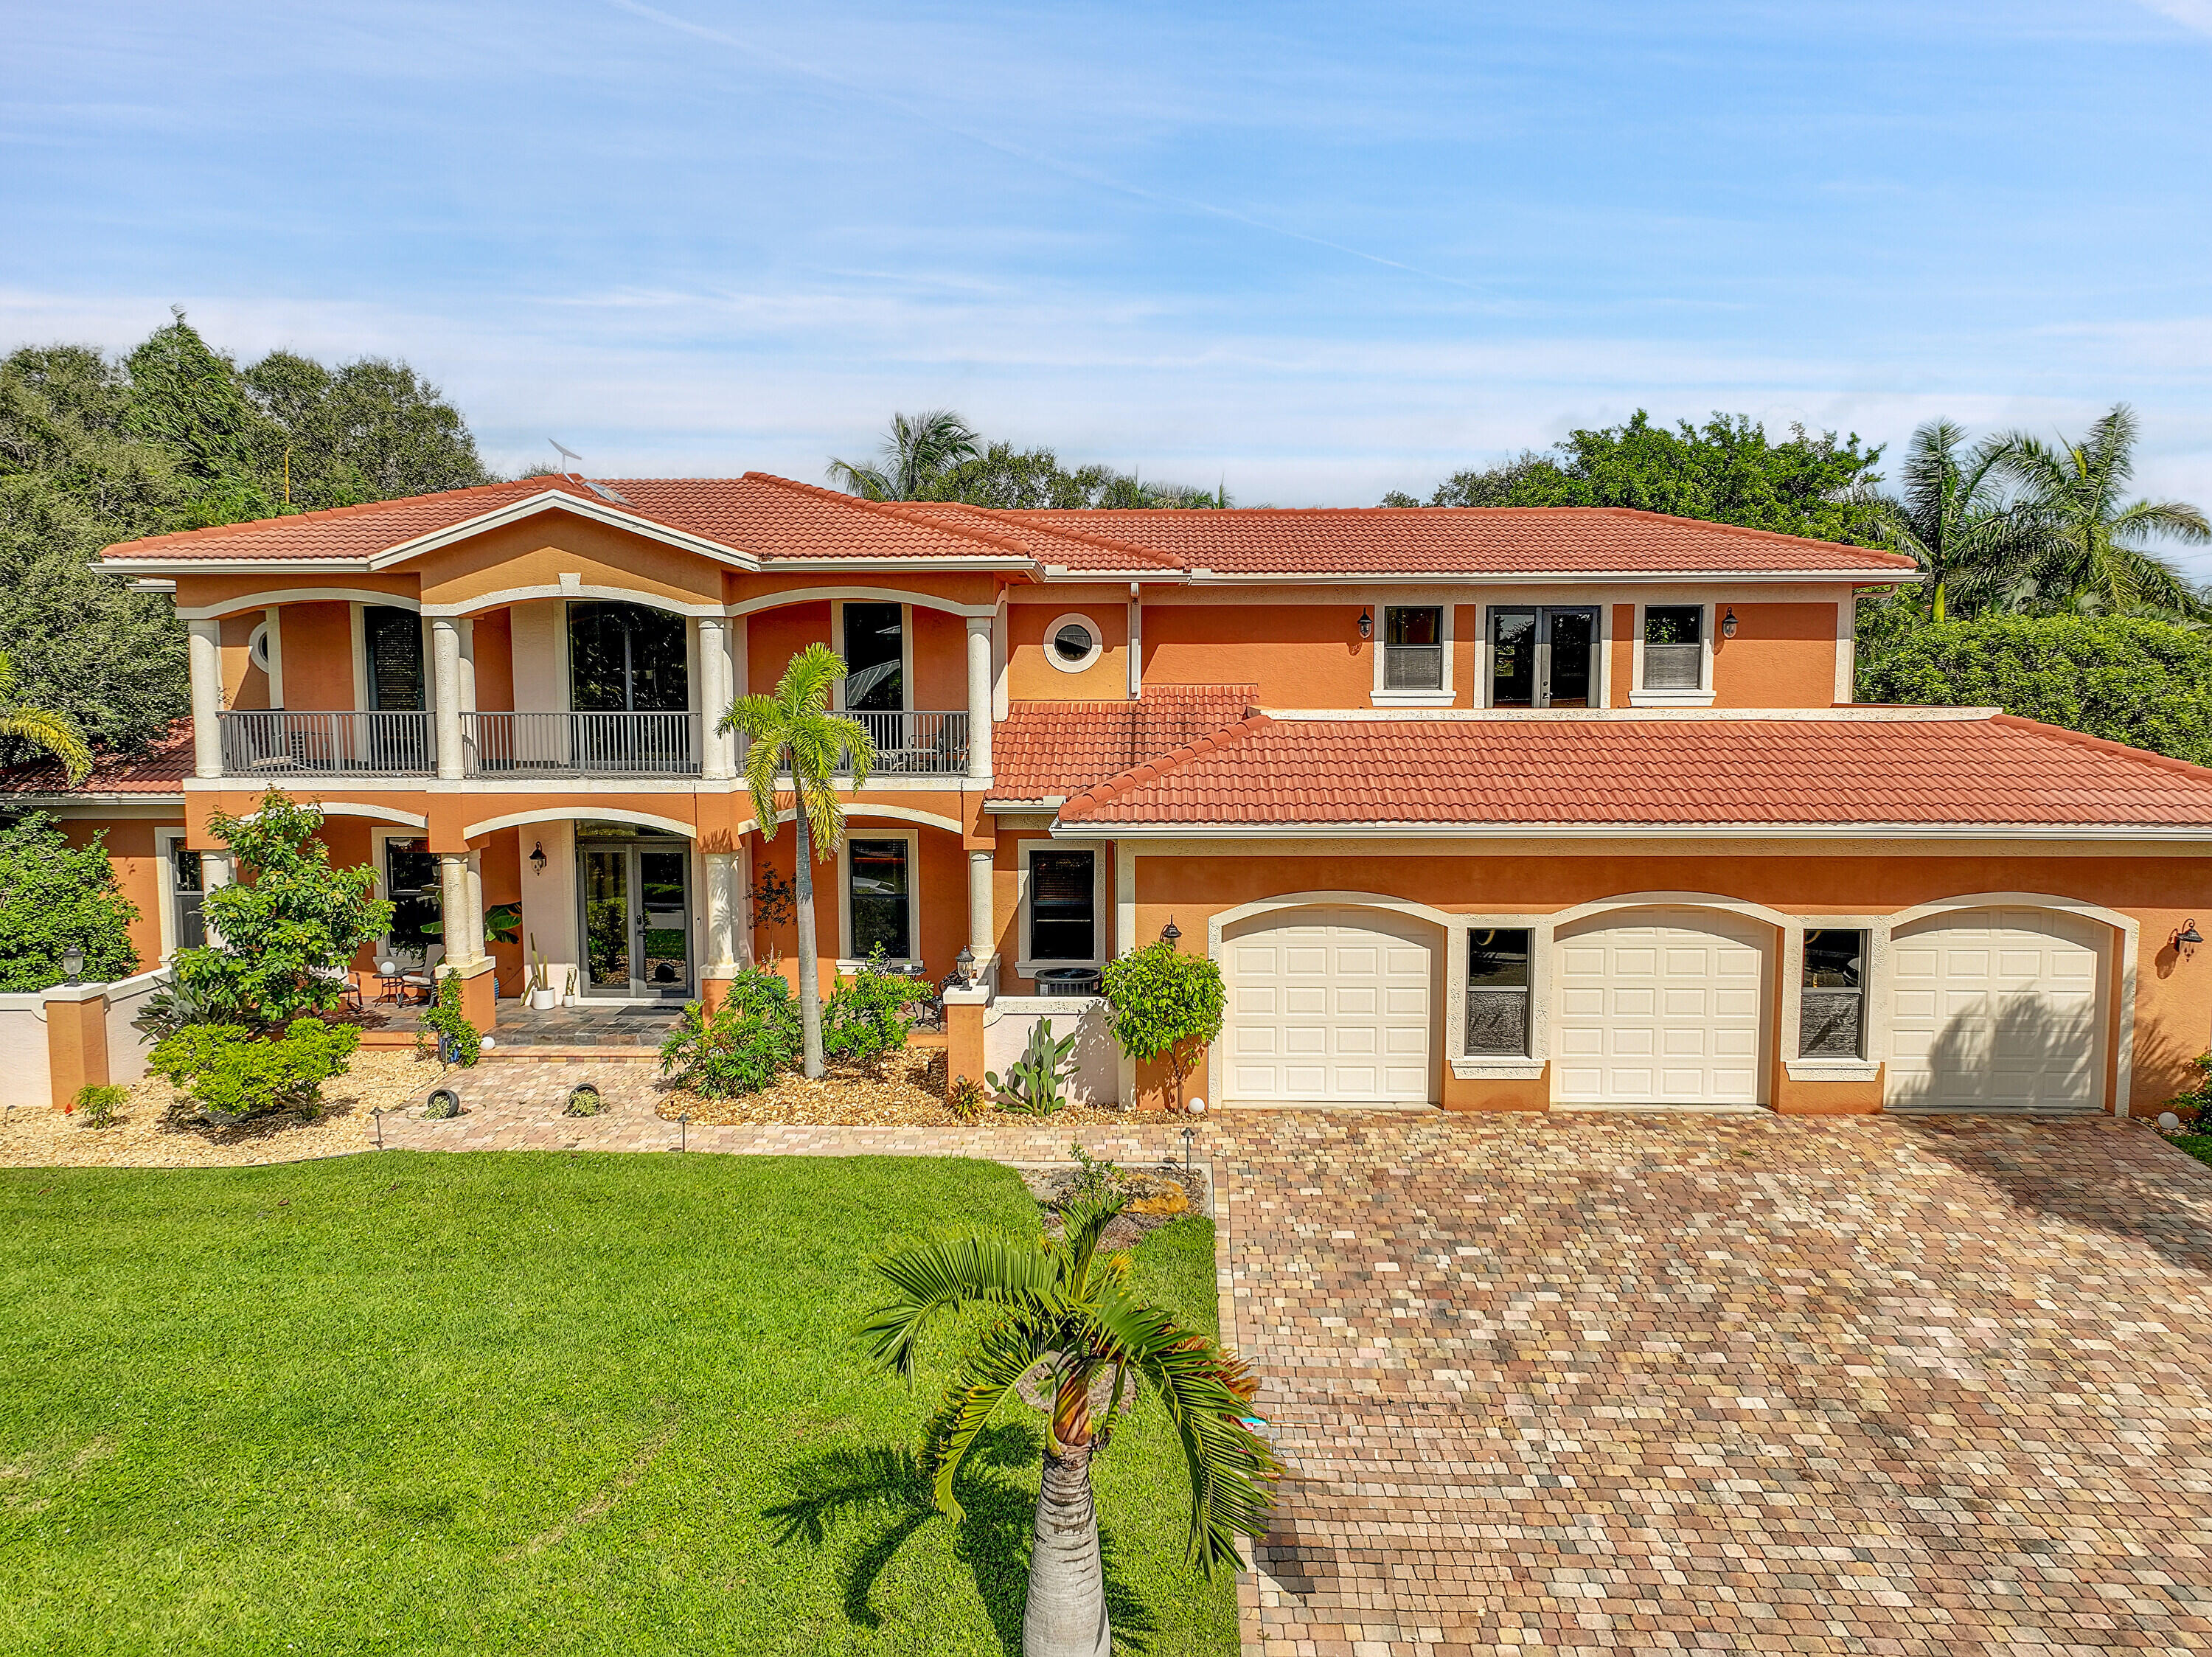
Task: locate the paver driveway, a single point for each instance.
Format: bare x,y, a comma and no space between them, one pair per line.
1726,1383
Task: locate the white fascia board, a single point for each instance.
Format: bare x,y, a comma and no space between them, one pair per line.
1026,807
1087,830
1009,561
554,500
1061,572
1549,578
153,584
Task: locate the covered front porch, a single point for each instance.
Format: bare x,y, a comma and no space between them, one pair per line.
522,1028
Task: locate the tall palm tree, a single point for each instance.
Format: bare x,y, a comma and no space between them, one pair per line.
2093,551
794,733
917,451
41,728
1952,516
1066,1315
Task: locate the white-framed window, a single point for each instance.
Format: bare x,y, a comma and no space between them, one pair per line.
1832,1022
1500,990
408,874
184,885
1066,913
1073,641
1673,664
876,640
1413,655
879,897
1545,655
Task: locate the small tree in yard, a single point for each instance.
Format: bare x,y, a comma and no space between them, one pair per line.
290,918
53,895
1166,1005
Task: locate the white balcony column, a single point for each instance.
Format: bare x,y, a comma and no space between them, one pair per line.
728,942
446,695
205,638
272,620
979,699
461,908
981,928
718,760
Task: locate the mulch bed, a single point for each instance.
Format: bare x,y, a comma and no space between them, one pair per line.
904,1089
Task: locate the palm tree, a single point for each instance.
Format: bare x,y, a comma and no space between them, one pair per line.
793,732
41,728
918,451
1066,1316
2092,554
1953,518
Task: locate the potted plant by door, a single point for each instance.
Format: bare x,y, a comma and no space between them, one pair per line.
543,997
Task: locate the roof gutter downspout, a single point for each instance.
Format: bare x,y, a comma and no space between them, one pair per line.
1136,643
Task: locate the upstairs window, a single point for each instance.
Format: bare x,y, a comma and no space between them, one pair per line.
392,640
1673,646
1063,906
1414,648
626,658
875,657
1831,1009
1497,992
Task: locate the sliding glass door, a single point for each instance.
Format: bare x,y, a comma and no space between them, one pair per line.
1544,657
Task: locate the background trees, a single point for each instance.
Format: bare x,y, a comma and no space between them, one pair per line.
938,456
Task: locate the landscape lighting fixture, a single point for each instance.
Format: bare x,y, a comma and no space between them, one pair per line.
1728,625
537,857
72,963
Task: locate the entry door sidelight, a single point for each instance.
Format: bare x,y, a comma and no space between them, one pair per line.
607,921
1544,657
664,922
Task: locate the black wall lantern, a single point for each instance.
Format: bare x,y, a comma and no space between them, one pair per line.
1727,625
1367,624
537,857
1170,934
2188,938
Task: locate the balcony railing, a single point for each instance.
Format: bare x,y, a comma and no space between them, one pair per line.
385,744
913,743
524,746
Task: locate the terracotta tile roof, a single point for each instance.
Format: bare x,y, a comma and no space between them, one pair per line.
162,768
1049,750
776,518
344,532
1061,545
1865,767
1462,540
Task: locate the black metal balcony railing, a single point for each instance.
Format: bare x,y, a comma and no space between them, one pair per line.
581,745
917,743
380,744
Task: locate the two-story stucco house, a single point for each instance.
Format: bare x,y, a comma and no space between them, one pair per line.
1481,808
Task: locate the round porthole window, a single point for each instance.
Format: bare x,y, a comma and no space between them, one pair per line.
1073,643
256,647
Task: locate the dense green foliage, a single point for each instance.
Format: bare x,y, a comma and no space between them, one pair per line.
2147,684
869,1014
459,1042
1166,1005
1725,470
231,1073
751,1037
177,435
289,920
548,1403
53,895
938,456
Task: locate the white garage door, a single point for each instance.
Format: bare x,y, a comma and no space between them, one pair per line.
1660,1008
1997,1010
1330,1006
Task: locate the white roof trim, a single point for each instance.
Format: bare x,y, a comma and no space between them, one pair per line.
1205,577
1870,714
1091,829
555,499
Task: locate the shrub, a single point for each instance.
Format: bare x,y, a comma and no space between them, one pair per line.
442,1104
53,895
964,1098
170,1008
459,1042
1036,1083
1166,1005
1096,1178
2196,1103
584,1100
96,1104
869,1014
740,1048
231,1074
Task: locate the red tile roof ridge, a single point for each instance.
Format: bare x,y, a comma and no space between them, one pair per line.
2101,745
1153,770
896,509
515,487
1081,536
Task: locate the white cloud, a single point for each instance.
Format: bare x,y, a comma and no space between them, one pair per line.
2190,13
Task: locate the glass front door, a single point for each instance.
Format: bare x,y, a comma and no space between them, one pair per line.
637,921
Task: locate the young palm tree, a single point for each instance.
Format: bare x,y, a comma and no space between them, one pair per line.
918,451
1066,1312
2093,554
41,728
1953,517
793,732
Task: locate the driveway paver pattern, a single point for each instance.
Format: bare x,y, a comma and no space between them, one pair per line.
1725,1383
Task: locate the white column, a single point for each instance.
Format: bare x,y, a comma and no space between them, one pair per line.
718,762
205,643
1136,643
273,641
216,870
461,908
725,927
999,651
446,695
468,665
982,931
979,699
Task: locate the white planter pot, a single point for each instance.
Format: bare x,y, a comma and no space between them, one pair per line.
544,1001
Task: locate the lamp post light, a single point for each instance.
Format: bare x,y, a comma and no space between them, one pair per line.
72,963
378,1114
684,1131
965,965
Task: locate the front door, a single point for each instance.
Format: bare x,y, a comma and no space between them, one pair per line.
636,921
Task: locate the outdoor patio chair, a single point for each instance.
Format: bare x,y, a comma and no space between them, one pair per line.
423,981
344,980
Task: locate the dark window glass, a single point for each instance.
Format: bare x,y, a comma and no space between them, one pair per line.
1073,641
411,881
874,652
626,658
1498,991
879,898
1831,1009
1414,648
188,882
1063,920
393,640
1573,635
1512,658
1673,652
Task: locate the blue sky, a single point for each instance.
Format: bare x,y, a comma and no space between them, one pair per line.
1321,250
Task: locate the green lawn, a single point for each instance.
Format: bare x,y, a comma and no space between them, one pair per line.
525,1402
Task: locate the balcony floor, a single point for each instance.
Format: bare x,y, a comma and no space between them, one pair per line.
518,1027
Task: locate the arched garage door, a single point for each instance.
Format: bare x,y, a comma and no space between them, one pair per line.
1997,1010
1331,1006
1661,1007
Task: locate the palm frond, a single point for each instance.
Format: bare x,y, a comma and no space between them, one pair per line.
867,482
1008,1347
57,734
938,1276
1082,1224
2177,519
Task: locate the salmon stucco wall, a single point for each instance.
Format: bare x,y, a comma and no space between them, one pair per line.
940,660
774,637
1783,655
1621,657
134,855
245,686
1300,655
317,640
1031,678
494,662
941,894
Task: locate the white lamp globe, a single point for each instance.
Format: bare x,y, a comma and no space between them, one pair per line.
1197,1107
387,967
487,1043
2167,1122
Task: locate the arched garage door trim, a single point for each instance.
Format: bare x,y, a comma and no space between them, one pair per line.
2121,1025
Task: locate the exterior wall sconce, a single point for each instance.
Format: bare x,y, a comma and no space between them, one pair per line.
1367,624
537,857
1727,625
2184,941
1170,934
